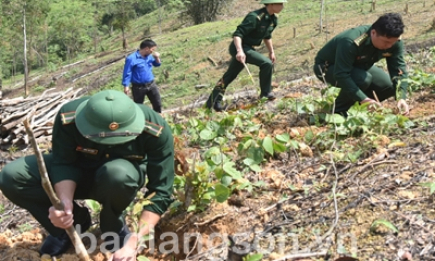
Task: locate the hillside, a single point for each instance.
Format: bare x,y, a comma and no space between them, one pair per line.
197,55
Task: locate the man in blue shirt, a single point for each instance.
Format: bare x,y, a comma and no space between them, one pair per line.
138,71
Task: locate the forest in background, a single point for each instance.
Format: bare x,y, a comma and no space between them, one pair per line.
47,33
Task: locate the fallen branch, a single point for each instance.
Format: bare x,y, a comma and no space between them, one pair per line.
334,193
371,164
210,220
46,184
303,255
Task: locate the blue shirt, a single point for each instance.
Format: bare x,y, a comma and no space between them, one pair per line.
138,69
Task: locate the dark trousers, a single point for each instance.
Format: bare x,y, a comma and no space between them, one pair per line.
252,57
151,90
114,184
374,79
235,67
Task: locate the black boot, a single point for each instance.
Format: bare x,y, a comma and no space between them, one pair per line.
269,96
215,99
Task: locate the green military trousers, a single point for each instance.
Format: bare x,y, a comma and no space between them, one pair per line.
235,67
114,184
375,79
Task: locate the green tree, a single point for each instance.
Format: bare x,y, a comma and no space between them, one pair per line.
22,19
202,11
70,28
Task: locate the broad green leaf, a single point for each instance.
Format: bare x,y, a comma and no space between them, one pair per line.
310,107
251,164
294,144
228,121
219,172
309,136
284,138
334,118
279,147
430,185
247,144
191,208
217,159
354,156
215,155
244,185
222,193
193,122
137,208
212,151
256,154
248,161
255,167
237,122
230,170
207,134
226,180
341,249
206,196
253,257
142,258
385,223
220,140
268,145
93,205
299,108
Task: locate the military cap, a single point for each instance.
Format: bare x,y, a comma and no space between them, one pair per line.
273,1
109,117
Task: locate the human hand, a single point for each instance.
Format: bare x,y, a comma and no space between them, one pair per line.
403,107
241,57
127,253
126,90
372,106
156,55
272,57
62,218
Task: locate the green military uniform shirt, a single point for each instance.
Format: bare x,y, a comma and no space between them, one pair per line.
153,149
354,48
256,26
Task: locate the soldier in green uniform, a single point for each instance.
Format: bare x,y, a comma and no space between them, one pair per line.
347,62
103,146
256,27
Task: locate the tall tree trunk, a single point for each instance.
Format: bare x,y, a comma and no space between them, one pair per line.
46,44
124,41
322,8
26,69
160,16
14,67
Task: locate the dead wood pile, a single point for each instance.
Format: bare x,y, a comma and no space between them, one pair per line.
41,111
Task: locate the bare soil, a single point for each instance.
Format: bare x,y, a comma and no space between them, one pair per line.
383,186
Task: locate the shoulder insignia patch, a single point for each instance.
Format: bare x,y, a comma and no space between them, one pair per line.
153,129
134,157
68,117
260,16
87,150
361,39
387,54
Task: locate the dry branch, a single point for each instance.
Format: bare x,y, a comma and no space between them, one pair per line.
42,109
46,184
302,255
